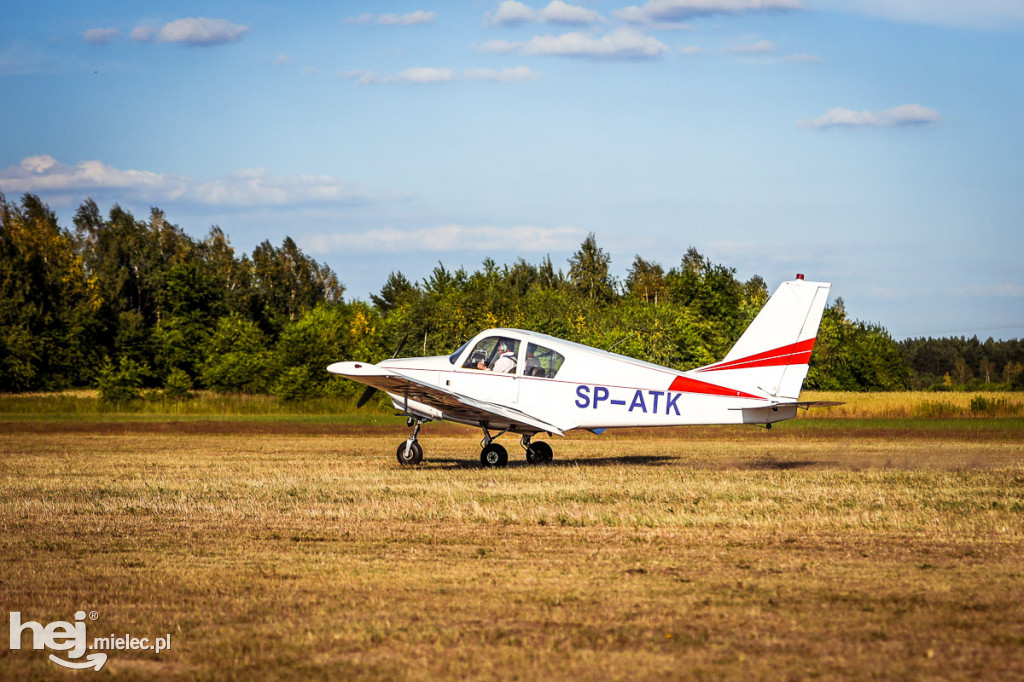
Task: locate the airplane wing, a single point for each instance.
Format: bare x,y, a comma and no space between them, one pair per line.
452,405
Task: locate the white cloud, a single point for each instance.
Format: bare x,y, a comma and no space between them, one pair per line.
517,73
557,12
421,74
904,115
674,11
249,187
430,75
100,36
692,49
198,31
760,47
283,59
622,44
409,19
527,238
512,12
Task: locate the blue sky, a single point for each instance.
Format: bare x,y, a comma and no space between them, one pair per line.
874,144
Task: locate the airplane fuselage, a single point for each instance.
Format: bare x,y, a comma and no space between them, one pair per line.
631,393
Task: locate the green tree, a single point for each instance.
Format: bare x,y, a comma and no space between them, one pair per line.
236,357
396,292
321,337
47,303
287,283
855,356
589,272
646,281
121,383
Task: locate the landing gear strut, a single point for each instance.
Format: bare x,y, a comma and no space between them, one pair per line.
536,453
410,452
492,455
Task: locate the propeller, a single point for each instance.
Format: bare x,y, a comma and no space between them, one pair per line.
370,390
365,397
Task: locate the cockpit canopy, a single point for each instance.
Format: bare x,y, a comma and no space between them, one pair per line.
506,354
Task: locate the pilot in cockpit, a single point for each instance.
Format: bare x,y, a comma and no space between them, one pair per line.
506,360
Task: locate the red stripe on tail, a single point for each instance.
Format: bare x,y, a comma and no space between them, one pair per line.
794,354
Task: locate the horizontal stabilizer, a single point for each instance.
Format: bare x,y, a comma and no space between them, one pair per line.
804,404
807,404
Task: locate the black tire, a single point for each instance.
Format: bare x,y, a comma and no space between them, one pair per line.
415,455
494,456
542,452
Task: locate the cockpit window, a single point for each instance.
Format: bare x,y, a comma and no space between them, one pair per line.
494,354
542,362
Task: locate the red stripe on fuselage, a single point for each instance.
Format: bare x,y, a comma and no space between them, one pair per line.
687,385
794,354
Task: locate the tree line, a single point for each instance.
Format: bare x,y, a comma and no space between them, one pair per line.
125,304
958,362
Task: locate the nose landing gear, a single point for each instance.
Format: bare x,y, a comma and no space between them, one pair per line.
410,452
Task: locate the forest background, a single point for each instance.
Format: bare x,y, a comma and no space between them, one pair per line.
128,305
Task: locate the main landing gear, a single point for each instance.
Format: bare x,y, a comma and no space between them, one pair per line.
492,454
537,453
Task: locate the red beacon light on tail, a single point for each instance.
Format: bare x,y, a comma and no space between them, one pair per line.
799,275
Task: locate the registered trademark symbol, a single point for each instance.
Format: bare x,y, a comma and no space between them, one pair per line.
93,615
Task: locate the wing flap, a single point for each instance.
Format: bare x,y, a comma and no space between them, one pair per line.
451,404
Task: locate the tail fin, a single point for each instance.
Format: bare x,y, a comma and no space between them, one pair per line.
773,353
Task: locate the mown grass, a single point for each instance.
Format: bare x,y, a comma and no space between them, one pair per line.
718,553
86,404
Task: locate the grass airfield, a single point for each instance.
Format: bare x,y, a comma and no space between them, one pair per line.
861,544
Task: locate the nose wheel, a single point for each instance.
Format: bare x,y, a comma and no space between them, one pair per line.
410,452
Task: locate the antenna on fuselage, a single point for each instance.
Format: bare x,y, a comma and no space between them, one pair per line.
624,338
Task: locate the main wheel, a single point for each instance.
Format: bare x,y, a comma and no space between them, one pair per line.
539,452
413,456
494,455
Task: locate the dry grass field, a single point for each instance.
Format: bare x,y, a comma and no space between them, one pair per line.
864,546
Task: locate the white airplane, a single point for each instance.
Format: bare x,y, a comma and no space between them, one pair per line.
515,381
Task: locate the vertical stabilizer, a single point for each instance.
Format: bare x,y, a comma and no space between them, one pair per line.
773,354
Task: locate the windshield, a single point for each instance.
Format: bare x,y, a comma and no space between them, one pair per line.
454,357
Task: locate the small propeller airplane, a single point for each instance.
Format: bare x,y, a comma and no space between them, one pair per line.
522,382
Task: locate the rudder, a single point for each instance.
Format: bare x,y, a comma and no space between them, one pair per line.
773,353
